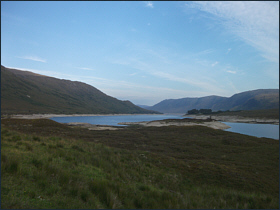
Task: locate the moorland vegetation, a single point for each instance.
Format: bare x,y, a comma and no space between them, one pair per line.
47,165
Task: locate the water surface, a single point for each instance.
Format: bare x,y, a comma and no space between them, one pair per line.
114,119
258,130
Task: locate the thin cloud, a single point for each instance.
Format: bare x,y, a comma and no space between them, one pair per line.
85,68
133,74
165,72
72,77
47,73
204,52
33,58
229,49
214,64
232,72
150,95
193,82
149,4
231,69
256,23
133,30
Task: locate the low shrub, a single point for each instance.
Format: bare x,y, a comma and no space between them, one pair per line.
36,138
16,138
9,164
59,145
51,146
37,163
84,195
28,147
77,148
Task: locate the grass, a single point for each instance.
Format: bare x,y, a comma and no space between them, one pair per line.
48,165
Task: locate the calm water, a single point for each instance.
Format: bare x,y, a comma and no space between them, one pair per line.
114,120
258,130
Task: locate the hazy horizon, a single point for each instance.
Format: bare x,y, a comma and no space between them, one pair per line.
146,52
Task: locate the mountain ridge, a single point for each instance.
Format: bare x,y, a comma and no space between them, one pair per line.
24,92
247,100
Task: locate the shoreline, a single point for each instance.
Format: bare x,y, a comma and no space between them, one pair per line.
157,123
235,119
48,116
160,123
226,118
216,123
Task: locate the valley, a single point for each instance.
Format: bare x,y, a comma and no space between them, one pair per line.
171,163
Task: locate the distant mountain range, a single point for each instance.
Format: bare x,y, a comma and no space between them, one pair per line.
249,100
24,92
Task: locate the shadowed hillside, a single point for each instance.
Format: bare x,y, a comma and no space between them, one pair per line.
249,100
24,92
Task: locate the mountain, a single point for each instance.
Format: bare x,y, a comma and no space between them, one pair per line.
143,106
24,92
249,100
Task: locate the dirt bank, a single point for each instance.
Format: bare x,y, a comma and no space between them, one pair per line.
159,123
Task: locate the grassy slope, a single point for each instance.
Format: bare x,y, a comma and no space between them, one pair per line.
27,93
255,100
49,165
249,100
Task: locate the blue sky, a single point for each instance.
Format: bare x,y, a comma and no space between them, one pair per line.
146,52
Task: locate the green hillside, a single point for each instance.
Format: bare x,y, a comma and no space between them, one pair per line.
249,100
254,100
24,92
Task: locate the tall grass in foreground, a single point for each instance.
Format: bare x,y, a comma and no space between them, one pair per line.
52,172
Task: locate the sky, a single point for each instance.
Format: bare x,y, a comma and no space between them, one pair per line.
146,51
